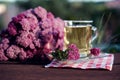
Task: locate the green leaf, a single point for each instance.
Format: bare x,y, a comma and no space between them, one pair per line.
60,55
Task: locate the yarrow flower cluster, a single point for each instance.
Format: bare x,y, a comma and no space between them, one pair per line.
32,33
95,51
72,53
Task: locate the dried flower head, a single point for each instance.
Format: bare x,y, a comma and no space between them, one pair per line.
95,51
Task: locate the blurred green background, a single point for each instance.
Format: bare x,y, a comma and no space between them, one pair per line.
104,13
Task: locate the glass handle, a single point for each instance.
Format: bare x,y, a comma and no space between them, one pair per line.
95,33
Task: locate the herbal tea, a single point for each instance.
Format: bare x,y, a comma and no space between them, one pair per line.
79,35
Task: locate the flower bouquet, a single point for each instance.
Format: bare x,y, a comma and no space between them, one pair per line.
32,34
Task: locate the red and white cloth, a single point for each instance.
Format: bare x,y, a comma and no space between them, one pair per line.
103,61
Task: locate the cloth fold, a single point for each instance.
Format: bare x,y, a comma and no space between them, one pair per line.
103,61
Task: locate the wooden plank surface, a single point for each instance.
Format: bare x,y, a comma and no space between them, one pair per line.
36,72
15,71
117,59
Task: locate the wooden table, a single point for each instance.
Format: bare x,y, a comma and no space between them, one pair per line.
15,71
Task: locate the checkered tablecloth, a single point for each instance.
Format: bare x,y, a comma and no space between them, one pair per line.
103,61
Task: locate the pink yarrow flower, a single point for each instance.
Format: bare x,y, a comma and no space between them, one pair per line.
13,51
12,29
73,52
2,56
95,51
40,12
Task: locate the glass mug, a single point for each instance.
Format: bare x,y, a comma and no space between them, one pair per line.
79,33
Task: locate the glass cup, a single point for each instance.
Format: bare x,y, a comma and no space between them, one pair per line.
79,33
